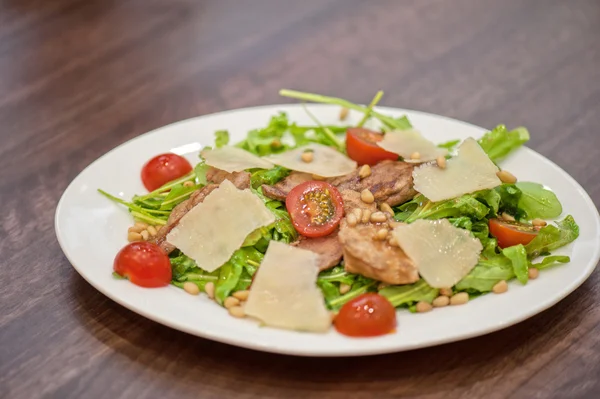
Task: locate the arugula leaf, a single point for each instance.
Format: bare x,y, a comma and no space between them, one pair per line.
221,138
518,258
491,198
510,196
421,208
500,142
550,261
267,140
406,295
537,202
268,176
337,274
361,285
177,195
449,145
200,171
552,237
491,269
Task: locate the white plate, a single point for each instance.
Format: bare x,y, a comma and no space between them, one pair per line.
91,229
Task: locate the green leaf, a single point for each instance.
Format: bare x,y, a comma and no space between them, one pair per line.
465,205
200,173
329,289
551,261
221,138
491,269
510,196
406,295
500,142
229,276
491,198
552,237
268,176
449,145
267,140
361,286
537,202
177,195
337,274
518,256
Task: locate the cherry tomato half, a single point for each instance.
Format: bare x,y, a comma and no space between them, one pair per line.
368,315
316,208
511,233
144,264
361,146
162,169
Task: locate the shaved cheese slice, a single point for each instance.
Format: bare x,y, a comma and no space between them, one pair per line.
233,159
215,228
284,293
442,253
326,161
471,170
407,142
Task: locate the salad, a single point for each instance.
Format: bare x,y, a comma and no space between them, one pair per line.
305,227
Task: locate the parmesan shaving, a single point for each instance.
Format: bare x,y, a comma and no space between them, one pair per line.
326,161
215,228
442,253
469,171
284,293
407,142
233,159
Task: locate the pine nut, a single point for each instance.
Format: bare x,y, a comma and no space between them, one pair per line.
133,236
230,302
393,224
241,295
209,288
145,235
344,288
507,217
381,234
415,156
392,241
441,162
307,156
140,225
366,196
191,288
441,301
351,220
188,184
385,207
459,299
378,217
344,113
317,177
135,229
237,311
152,231
539,222
446,292
533,273
423,307
358,213
366,215
506,177
365,171
500,287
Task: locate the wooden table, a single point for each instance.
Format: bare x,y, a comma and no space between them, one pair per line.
80,77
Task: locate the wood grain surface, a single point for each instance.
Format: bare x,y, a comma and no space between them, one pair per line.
79,77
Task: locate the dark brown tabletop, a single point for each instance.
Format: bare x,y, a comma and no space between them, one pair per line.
79,77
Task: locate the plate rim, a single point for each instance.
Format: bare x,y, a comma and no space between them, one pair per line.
539,308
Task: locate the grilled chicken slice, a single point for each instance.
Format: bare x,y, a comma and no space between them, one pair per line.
281,189
389,181
328,248
377,259
240,179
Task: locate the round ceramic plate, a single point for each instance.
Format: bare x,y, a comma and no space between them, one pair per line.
91,230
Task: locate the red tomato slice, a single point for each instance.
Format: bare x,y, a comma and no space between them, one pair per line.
316,208
511,233
164,168
361,147
144,264
368,315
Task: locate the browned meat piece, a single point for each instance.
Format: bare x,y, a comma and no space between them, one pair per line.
374,258
280,190
328,248
390,181
352,200
240,179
